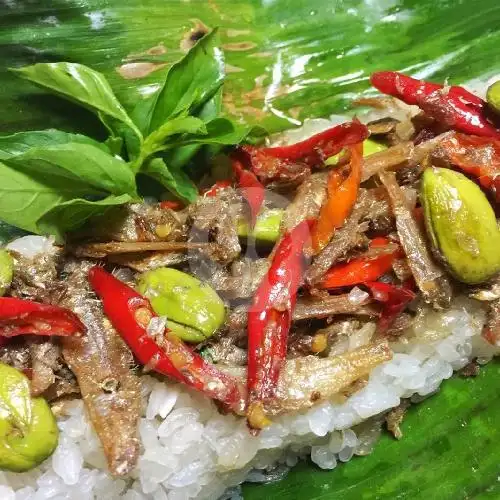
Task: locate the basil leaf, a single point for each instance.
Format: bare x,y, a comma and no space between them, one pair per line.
181,125
132,142
72,214
24,197
79,165
174,179
22,142
114,145
222,131
225,131
82,85
212,108
179,157
189,84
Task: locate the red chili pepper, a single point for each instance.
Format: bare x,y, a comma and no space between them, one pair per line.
172,205
289,162
25,317
216,188
453,106
395,298
343,187
253,190
360,270
477,156
130,314
269,320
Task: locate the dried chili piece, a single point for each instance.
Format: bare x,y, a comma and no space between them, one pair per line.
453,106
289,163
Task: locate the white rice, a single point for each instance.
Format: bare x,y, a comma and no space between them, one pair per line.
191,451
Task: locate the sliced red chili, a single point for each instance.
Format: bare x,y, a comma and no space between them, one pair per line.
360,270
172,205
394,299
130,314
216,188
25,317
269,319
252,188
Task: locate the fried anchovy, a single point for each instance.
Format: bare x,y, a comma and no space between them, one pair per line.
100,250
102,364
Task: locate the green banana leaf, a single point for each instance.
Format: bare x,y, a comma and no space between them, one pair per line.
448,451
288,60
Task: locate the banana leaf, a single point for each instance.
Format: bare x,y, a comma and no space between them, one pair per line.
287,60
448,451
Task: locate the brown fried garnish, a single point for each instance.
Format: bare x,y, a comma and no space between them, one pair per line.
394,418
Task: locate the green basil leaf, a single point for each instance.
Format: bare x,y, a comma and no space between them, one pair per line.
177,126
132,142
72,214
174,179
189,84
82,85
22,142
222,131
24,197
181,156
79,165
114,145
212,108
225,131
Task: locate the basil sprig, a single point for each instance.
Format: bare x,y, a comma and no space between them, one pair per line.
54,181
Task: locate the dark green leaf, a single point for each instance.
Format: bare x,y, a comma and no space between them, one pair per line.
132,142
25,197
212,108
114,144
179,157
225,131
72,214
189,125
16,144
79,165
84,86
189,84
222,131
174,179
